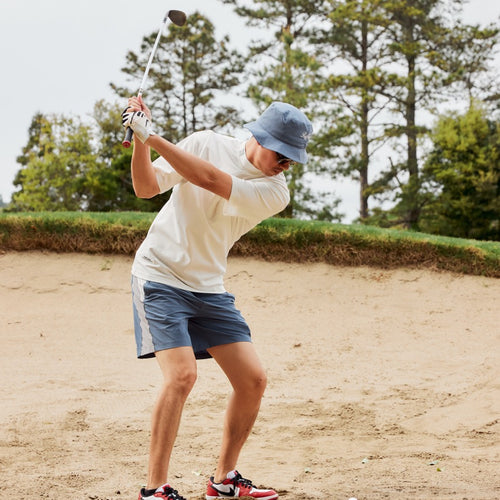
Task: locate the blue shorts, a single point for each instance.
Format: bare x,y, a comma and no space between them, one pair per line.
167,317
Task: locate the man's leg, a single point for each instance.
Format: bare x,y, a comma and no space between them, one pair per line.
178,366
240,363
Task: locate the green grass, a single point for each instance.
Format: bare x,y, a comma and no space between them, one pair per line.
123,218
274,239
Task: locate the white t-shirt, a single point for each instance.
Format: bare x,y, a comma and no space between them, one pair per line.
190,238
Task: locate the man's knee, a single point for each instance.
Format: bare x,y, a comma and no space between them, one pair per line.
179,369
261,383
255,384
184,378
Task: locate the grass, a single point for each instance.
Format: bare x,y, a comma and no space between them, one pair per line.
119,232
274,240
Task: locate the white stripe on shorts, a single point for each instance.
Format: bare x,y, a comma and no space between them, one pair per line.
138,298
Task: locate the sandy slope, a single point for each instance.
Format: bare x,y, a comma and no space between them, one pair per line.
373,376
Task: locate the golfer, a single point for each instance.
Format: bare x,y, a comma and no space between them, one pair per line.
221,188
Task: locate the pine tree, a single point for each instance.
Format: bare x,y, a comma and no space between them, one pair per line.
353,36
283,68
424,37
190,80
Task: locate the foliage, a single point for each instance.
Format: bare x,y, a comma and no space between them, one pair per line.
68,165
389,61
463,171
54,164
424,38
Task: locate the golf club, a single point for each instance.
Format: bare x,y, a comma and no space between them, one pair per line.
178,18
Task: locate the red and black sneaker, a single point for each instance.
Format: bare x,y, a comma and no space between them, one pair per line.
165,492
235,486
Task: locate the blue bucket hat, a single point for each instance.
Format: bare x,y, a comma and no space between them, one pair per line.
284,129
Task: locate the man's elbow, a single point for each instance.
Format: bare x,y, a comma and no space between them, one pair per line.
146,192
216,183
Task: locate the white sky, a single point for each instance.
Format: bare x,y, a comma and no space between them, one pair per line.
59,56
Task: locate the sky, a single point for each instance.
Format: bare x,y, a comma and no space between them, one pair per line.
59,56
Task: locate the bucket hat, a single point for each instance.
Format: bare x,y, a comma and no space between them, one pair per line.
284,129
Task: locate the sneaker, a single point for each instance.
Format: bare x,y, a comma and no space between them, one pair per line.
236,486
166,492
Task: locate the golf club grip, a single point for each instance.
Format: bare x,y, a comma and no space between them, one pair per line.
128,138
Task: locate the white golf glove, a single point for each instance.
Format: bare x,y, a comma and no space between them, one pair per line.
139,123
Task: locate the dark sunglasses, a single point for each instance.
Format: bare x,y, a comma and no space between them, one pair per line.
283,159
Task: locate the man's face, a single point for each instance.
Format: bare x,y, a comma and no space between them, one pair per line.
271,163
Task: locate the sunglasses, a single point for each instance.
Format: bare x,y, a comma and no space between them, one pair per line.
283,159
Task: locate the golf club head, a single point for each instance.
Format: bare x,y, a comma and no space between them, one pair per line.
177,17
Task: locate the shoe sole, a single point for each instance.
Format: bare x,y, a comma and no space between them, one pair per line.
270,497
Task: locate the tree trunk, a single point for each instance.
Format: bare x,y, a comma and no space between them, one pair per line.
363,168
411,205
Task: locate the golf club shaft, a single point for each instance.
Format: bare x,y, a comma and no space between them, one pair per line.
129,132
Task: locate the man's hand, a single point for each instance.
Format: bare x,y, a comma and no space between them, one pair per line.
139,123
136,103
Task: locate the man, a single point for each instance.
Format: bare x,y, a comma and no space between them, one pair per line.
222,188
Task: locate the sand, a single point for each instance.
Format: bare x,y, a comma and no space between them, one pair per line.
382,384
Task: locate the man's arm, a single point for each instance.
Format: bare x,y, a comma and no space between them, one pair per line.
195,170
143,174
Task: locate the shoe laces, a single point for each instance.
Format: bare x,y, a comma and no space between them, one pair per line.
171,494
240,480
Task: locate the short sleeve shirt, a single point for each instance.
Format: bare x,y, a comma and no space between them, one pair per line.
189,241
